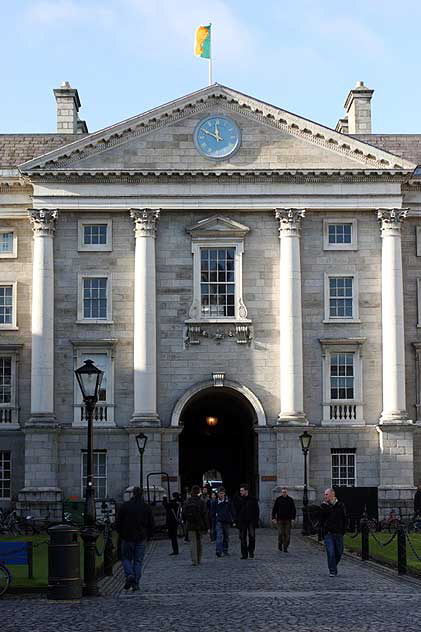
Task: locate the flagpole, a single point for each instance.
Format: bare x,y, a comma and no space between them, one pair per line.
210,71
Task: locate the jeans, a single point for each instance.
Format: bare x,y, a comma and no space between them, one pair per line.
249,530
195,547
172,534
132,554
284,534
334,543
222,537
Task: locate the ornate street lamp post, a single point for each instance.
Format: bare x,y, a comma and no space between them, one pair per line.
305,440
141,440
89,378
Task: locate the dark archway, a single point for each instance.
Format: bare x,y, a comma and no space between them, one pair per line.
229,447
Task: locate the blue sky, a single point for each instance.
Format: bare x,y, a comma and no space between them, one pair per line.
127,56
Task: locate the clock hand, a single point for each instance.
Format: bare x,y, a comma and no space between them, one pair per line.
205,131
217,134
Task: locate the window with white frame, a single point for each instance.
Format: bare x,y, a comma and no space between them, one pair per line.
9,354
341,298
94,298
95,235
8,243
99,471
339,234
8,307
342,380
5,474
343,467
217,248
101,352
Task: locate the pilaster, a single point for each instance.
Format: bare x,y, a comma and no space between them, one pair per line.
145,363
290,316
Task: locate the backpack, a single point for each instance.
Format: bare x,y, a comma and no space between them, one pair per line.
191,513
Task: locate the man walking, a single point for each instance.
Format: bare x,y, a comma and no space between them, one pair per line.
223,519
247,520
283,513
195,516
134,525
173,509
333,525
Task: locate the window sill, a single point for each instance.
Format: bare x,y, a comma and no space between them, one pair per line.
8,328
341,321
341,248
218,321
93,321
95,249
8,255
340,424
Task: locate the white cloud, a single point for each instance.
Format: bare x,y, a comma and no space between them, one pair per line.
64,12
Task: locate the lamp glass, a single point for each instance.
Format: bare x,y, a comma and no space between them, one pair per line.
89,378
141,440
305,440
212,421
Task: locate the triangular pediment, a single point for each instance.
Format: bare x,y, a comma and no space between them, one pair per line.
161,140
218,226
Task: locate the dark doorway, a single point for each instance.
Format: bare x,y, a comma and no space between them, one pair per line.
228,446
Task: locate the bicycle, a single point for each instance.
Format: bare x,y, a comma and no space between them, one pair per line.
5,578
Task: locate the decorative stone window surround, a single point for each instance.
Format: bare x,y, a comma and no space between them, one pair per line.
13,324
351,462
417,348
354,232
103,409
14,252
347,409
94,321
419,302
218,232
355,311
5,483
9,413
107,247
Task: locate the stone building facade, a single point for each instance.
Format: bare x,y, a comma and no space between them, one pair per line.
274,285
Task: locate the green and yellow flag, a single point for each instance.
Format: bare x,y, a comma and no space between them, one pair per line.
202,43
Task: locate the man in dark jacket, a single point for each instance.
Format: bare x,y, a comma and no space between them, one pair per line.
134,525
247,519
195,515
173,509
283,513
222,516
417,501
333,525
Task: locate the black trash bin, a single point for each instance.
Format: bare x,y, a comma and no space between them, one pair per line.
64,581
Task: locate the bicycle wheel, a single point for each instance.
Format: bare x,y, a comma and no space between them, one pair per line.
5,579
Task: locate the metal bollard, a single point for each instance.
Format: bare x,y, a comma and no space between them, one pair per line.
108,554
365,541
64,581
401,550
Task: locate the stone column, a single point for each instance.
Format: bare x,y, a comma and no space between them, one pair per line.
290,317
145,403
394,398
42,370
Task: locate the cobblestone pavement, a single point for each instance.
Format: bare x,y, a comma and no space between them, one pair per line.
277,591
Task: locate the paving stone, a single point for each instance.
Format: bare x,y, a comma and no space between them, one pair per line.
279,591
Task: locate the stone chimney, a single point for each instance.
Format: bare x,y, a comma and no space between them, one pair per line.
358,109
68,104
342,125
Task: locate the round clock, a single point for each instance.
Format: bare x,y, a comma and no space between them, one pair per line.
217,137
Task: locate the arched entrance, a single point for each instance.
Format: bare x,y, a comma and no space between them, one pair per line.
226,443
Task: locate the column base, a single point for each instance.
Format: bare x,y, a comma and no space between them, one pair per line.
395,417
41,419
292,419
146,420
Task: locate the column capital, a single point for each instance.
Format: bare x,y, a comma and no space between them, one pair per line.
289,220
145,221
43,221
390,220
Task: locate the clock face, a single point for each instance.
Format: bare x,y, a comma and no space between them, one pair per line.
217,137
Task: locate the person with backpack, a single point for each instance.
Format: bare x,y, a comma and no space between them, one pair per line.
223,518
134,525
195,516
